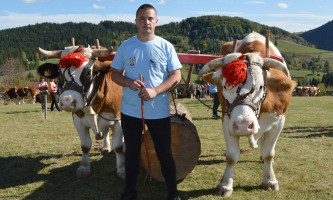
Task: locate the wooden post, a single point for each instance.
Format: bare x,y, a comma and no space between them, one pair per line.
73,41
187,83
45,106
234,46
97,44
267,43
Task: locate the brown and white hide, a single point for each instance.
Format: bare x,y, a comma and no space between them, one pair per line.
258,114
20,93
94,99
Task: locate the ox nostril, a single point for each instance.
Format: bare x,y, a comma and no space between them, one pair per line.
73,103
250,126
234,126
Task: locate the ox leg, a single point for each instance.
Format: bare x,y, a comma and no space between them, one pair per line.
83,131
268,153
104,127
118,146
225,187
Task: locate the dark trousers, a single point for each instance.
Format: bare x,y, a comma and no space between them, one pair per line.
54,101
160,131
216,103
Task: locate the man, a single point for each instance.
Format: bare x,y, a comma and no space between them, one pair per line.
53,90
43,87
216,102
157,61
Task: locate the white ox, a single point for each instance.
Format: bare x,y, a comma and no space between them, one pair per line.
255,107
93,98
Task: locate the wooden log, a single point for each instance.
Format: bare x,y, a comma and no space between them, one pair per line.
185,146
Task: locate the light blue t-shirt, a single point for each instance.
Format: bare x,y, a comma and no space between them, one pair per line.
153,59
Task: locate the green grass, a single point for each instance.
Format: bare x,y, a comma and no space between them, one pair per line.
303,52
38,158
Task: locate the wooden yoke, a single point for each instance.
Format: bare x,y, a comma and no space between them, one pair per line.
187,83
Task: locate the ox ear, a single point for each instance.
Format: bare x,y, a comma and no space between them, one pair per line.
101,66
50,54
210,78
49,70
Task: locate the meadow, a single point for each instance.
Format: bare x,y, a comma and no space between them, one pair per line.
39,158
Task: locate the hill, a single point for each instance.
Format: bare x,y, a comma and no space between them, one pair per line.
206,33
321,37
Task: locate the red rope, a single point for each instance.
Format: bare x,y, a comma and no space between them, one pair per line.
145,134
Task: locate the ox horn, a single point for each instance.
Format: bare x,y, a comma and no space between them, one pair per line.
50,54
101,52
272,63
213,64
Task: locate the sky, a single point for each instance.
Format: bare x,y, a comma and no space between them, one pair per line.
290,15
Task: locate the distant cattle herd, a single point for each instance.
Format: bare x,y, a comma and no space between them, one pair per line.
306,91
21,94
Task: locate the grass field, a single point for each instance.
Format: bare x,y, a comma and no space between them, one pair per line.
38,158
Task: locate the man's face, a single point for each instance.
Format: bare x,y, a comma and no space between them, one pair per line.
146,21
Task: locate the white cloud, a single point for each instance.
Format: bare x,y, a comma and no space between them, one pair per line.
29,1
97,7
302,16
162,2
291,26
132,0
217,13
256,2
282,5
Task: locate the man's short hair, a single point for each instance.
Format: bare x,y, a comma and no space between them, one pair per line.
145,7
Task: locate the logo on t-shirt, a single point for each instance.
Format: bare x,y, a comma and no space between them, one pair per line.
132,61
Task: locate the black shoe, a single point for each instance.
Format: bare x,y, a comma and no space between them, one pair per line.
216,116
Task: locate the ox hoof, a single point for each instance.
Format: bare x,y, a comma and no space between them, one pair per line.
105,151
121,175
224,192
271,186
99,136
82,172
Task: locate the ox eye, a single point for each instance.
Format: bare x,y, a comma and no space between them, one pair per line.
225,87
261,87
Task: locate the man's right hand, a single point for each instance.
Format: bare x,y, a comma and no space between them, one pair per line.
135,84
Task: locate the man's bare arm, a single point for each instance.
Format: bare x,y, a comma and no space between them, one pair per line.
118,77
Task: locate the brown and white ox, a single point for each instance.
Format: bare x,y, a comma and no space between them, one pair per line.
94,99
254,104
313,91
20,93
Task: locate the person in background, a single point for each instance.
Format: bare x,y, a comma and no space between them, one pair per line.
216,101
176,92
53,90
158,62
191,90
198,91
42,86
